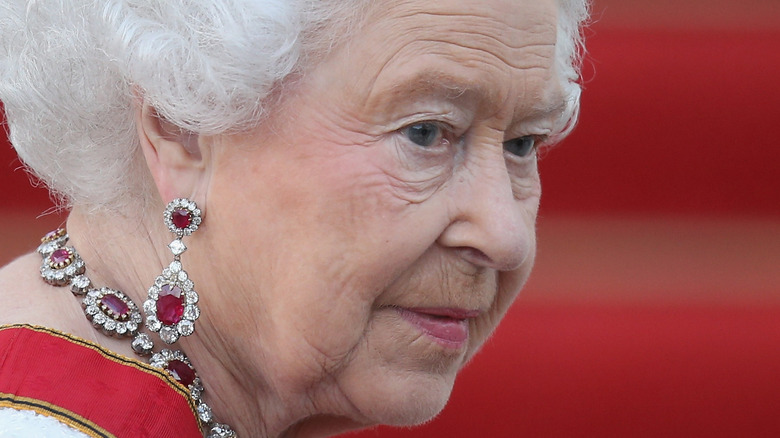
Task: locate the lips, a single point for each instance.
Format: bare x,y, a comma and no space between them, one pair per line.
448,327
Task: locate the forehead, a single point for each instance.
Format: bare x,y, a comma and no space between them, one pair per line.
492,50
503,27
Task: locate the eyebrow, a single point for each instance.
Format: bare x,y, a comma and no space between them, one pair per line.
459,88
448,86
553,108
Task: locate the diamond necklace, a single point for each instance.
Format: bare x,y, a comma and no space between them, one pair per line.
115,314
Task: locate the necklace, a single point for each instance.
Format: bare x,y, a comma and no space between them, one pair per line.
115,314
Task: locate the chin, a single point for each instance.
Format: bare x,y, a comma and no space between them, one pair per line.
399,376
398,398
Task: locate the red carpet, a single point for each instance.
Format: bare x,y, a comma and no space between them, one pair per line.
675,122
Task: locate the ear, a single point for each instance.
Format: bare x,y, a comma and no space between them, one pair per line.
176,158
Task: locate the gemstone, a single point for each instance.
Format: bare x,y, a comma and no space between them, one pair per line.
142,344
132,326
170,305
153,323
79,284
115,306
169,335
180,371
204,412
60,258
186,327
177,247
181,218
158,361
196,392
191,312
221,431
53,235
45,249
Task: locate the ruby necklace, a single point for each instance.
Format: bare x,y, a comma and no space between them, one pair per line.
115,314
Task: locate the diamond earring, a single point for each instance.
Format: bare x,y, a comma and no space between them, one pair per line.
171,306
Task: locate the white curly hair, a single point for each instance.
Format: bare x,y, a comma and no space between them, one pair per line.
69,70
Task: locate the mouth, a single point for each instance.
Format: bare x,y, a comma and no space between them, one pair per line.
446,326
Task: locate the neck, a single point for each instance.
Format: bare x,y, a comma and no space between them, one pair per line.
121,253
127,254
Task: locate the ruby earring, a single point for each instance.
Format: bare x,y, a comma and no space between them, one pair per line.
171,306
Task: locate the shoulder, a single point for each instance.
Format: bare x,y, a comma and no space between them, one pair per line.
19,290
26,299
24,424
16,272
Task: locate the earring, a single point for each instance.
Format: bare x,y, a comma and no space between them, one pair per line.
171,306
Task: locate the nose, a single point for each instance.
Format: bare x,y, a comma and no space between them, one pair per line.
489,226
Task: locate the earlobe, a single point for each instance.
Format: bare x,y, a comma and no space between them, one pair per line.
174,156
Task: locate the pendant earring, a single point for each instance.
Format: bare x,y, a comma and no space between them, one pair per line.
171,306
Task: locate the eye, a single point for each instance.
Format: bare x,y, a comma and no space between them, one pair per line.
423,134
521,146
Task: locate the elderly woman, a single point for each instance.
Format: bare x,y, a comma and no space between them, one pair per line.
328,205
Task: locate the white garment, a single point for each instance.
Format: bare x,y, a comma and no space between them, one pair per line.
30,424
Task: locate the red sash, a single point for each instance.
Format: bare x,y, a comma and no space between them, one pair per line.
82,384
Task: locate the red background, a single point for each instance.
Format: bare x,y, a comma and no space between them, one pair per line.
654,309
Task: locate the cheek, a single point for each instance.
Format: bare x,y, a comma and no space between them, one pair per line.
525,182
322,236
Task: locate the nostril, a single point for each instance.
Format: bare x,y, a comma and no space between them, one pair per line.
476,256
503,261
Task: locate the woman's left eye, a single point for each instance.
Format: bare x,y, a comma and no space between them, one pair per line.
521,146
425,134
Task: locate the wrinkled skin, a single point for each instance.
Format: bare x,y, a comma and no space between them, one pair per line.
332,217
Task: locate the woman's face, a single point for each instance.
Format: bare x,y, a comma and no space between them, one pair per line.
370,235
